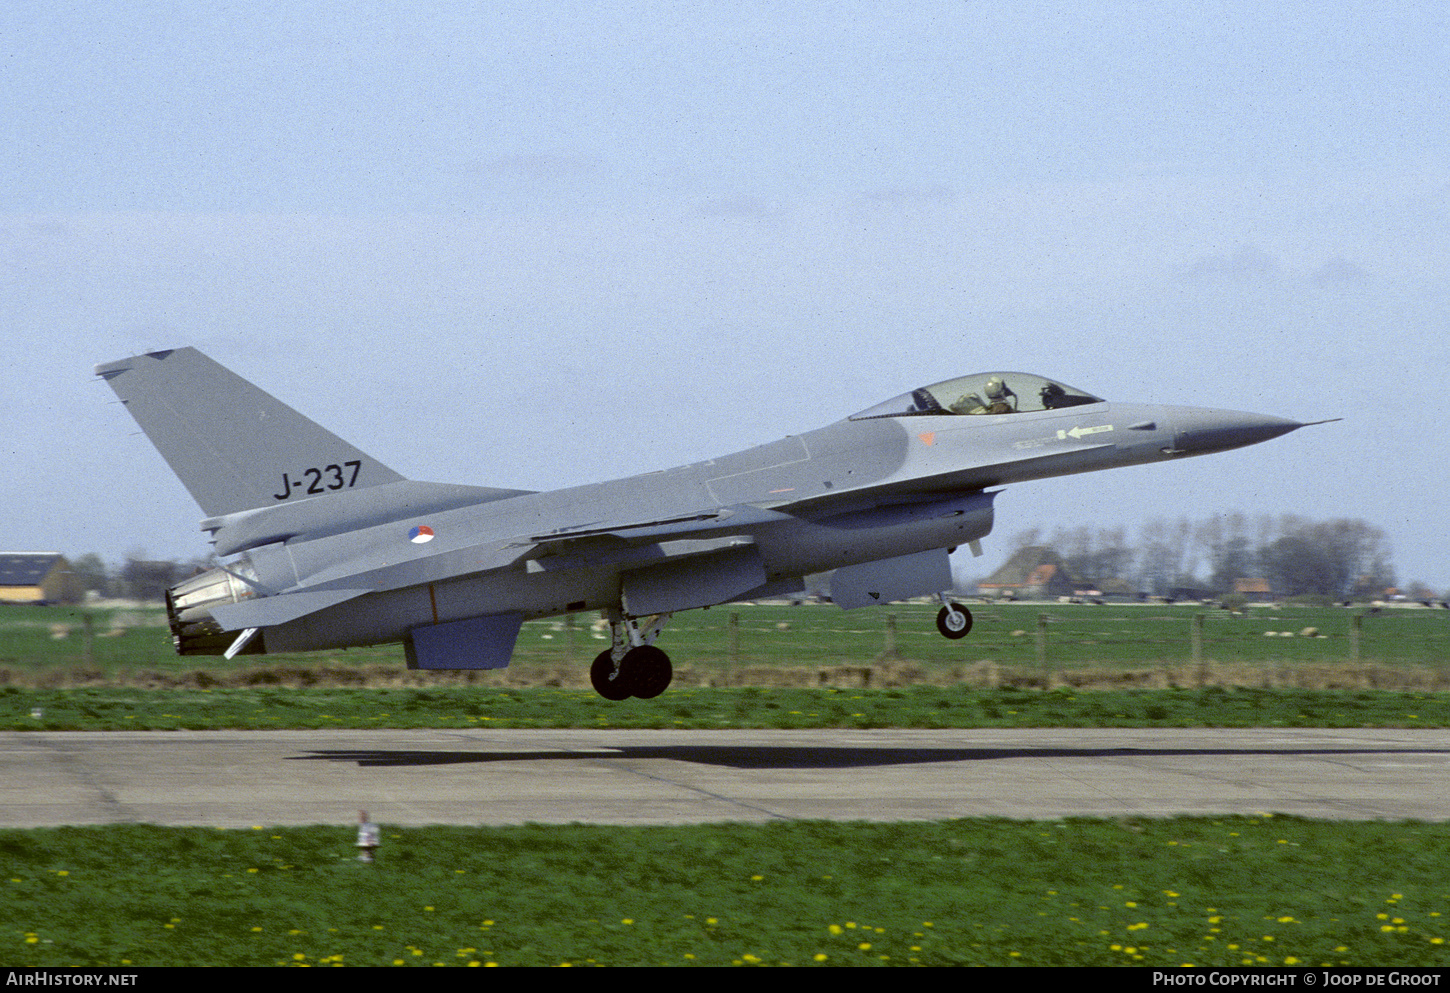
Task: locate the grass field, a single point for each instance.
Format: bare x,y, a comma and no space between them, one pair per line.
1082,638
1206,891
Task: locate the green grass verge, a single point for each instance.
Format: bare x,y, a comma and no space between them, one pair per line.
1207,891
276,708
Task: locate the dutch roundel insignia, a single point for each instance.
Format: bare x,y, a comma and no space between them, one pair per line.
420,533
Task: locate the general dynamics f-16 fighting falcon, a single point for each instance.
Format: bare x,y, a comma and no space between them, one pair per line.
334,549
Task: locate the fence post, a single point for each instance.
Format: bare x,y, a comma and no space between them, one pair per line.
1042,647
1356,626
890,651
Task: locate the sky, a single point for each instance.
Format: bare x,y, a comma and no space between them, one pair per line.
533,246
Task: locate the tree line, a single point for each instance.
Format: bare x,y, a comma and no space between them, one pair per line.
1342,558
137,578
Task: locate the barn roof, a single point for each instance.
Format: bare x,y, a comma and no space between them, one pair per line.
1033,565
26,568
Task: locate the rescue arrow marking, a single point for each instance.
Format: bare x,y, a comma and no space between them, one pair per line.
1076,433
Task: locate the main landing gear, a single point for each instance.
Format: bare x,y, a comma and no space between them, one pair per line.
633,666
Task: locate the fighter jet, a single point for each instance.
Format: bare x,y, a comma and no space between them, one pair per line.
323,547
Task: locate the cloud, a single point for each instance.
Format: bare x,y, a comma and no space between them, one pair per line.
1247,263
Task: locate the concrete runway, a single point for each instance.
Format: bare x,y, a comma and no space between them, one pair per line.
241,778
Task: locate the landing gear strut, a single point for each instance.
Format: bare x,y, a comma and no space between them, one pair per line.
633,666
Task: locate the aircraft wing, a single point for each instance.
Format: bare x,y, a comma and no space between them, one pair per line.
631,545
634,532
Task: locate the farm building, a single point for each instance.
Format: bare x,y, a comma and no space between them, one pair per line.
37,577
1032,572
1254,589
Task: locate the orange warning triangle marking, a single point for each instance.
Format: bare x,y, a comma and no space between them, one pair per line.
929,438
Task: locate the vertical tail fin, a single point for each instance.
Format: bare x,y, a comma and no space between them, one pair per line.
234,446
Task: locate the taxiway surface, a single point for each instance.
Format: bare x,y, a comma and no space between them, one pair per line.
240,778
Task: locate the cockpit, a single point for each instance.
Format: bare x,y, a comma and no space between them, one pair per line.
985,393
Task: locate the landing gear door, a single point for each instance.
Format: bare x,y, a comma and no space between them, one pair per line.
886,580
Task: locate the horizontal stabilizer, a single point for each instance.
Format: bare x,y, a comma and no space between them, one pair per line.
269,611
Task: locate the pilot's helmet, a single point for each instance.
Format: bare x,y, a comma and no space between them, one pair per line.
997,390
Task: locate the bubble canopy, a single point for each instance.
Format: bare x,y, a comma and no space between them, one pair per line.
983,393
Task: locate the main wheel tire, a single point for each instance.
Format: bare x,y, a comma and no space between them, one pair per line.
648,671
954,622
606,683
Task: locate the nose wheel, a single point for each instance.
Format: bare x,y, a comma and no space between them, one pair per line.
954,621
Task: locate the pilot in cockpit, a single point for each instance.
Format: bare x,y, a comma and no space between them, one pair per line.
1000,400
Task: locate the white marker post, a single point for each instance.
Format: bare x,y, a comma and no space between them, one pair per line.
368,837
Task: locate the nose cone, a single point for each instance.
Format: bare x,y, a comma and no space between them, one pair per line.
1200,431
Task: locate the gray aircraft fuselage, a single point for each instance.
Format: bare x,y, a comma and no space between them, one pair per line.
337,550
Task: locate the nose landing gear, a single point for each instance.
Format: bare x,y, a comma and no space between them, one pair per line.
953,620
